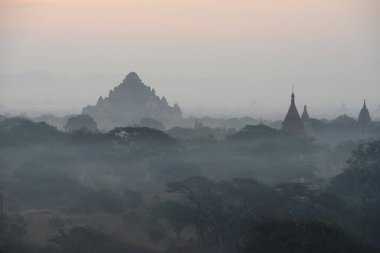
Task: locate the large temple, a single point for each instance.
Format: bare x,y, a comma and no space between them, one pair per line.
130,102
293,123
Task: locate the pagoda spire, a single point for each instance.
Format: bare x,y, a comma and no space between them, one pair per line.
293,96
364,118
292,123
307,121
305,114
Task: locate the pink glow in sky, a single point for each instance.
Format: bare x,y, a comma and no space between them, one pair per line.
196,46
182,18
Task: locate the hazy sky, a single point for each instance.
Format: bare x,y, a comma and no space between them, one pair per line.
214,52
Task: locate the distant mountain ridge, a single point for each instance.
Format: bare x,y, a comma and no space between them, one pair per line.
131,101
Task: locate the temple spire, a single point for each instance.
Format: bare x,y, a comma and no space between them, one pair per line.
364,118
307,121
305,114
292,123
293,97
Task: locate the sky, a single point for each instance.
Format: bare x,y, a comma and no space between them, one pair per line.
202,53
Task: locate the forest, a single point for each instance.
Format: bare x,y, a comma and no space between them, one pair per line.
140,189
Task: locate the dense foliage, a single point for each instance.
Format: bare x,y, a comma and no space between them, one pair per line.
139,189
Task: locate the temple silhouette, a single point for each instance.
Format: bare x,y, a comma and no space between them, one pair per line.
364,118
130,102
301,126
293,123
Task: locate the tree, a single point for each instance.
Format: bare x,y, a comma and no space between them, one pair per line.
20,130
361,179
13,229
219,211
132,199
359,185
103,200
297,201
38,185
176,214
151,123
344,123
129,135
82,121
89,240
300,237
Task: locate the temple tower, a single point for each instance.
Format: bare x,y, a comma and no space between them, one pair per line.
364,119
307,121
293,123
